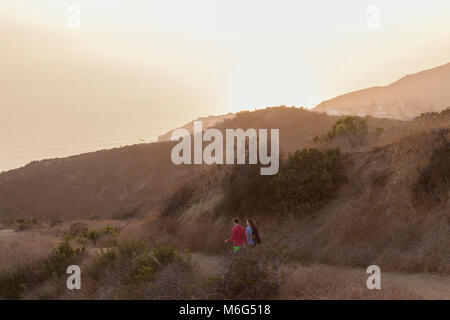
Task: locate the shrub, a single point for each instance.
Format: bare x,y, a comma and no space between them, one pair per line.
14,282
433,184
132,248
250,275
81,232
165,254
78,229
102,261
25,224
247,192
178,280
434,115
62,256
126,213
351,128
124,271
307,180
177,201
379,132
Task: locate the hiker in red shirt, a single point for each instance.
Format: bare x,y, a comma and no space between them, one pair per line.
237,236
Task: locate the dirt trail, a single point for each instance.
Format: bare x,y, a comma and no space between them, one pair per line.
7,231
8,234
428,286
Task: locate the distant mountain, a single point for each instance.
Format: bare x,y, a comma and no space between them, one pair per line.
207,122
426,91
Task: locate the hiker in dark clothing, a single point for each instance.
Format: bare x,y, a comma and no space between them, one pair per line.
252,234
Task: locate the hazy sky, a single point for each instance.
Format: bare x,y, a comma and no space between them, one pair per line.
135,68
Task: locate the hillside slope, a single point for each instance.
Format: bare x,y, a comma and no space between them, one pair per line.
207,122
406,98
127,181
111,183
393,210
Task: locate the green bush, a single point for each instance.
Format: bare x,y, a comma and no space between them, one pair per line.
351,128
307,180
132,248
131,266
433,184
434,116
102,261
25,224
378,132
14,282
81,232
246,193
165,254
62,256
251,275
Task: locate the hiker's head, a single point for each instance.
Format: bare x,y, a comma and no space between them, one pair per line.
235,220
250,223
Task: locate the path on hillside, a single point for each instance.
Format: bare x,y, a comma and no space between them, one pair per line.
429,286
6,234
7,231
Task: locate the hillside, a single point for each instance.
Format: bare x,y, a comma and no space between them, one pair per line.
128,181
393,209
130,215
207,122
117,183
426,91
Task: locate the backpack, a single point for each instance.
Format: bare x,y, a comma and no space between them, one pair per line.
255,235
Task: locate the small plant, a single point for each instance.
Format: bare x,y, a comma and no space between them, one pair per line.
379,132
165,255
78,229
25,224
81,232
132,248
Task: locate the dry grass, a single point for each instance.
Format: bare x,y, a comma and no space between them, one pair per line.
24,248
330,283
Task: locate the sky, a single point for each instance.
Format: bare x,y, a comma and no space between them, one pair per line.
135,69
